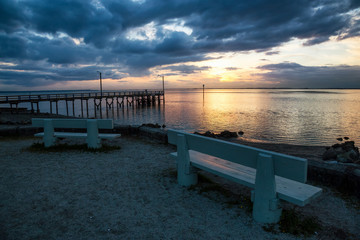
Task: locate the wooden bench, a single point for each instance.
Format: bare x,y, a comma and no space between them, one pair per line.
273,176
93,137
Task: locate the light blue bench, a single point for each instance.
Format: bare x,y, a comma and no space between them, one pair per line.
93,137
273,176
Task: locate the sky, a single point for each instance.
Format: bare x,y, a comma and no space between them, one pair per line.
64,44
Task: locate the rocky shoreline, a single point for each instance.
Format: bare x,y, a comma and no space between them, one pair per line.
343,176
132,193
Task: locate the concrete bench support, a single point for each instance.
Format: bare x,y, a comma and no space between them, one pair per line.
93,139
186,174
266,204
49,138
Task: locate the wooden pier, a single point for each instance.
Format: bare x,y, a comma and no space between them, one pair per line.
112,100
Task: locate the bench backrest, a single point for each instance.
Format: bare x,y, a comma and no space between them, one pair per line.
286,166
73,123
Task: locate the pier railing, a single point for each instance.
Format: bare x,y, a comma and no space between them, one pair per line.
112,100
66,96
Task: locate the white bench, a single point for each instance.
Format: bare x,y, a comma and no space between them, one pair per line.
93,137
273,176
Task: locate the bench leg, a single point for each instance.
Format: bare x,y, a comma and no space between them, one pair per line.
186,174
49,139
93,140
265,208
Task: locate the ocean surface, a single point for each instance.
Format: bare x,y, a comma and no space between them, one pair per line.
293,116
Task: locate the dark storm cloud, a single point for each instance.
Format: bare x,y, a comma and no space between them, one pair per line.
139,64
11,16
186,69
249,25
77,32
12,46
297,76
29,75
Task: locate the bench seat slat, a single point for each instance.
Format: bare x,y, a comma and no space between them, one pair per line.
289,190
79,135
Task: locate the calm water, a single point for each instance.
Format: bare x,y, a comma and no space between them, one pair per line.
307,117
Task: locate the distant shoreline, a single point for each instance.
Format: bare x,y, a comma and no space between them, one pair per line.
96,90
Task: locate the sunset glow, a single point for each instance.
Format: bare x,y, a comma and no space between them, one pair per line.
225,44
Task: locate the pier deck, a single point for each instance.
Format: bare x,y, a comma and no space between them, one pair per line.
130,98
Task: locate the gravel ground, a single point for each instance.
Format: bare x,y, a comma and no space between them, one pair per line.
132,193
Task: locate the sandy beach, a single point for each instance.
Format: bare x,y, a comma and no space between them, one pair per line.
132,193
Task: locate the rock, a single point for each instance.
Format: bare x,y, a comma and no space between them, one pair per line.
206,134
336,145
209,134
329,154
224,134
352,155
347,146
151,125
332,162
338,149
342,157
345,152
356,172
228,134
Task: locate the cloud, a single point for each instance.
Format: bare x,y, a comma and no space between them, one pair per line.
294,75
232,68
272,53
28,75
186,69
185,81
73,33
11,17
12,47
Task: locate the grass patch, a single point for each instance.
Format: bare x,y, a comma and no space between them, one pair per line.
350,200
295,223
271,228
40,148
241,202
